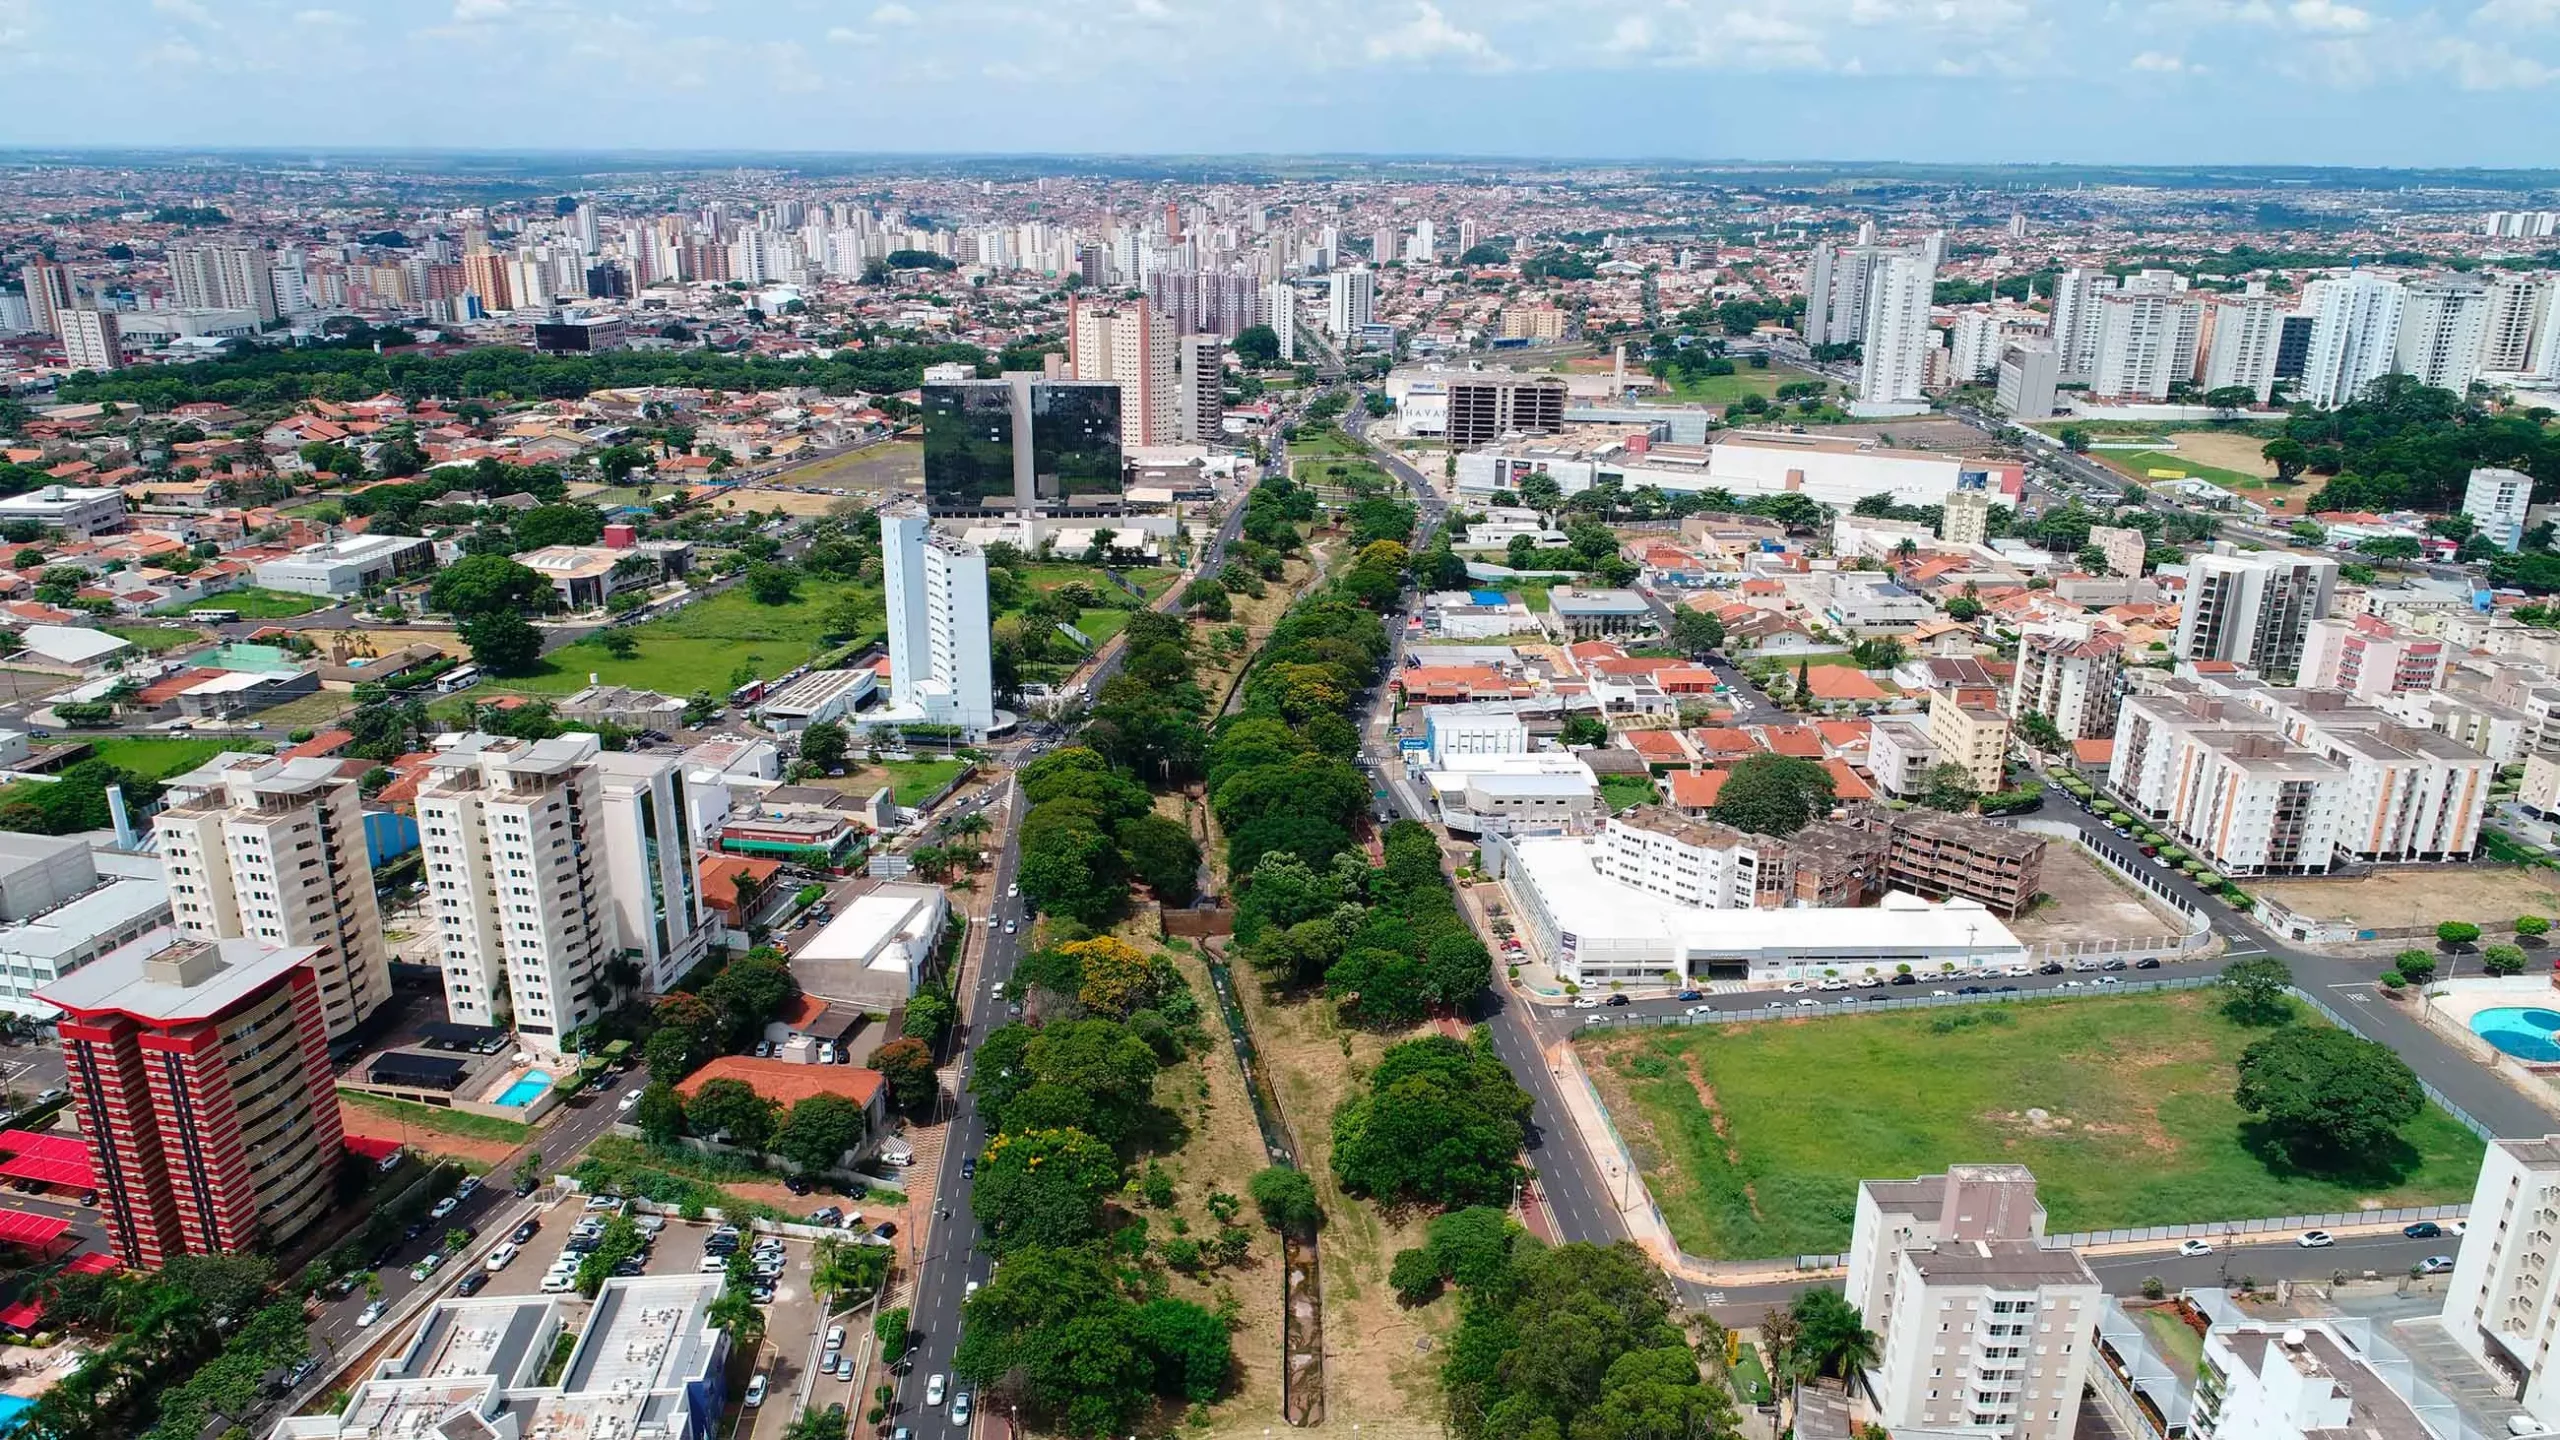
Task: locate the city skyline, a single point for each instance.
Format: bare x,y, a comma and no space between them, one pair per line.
2241,81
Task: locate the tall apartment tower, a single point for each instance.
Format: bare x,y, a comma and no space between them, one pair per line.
1964,517
1202,377
1281,299
224,277
654,864
2076,293
2502,1304
940,662
1893,364
2247,331
518,871
274,851
1130,345
2444,321
2355,332
91,338
2253,609
1982,1330
2146,343
2516,304
2068,675
201,1070
48,294
1354,300
2497,499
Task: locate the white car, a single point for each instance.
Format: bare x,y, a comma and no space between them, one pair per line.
835,1337
426,1267
1797,987
443,1208
503,1256
630,1099
558,1284
933,1390
370,1314
755,1393
2193,1248
1012,890
1585,1002
2315,1240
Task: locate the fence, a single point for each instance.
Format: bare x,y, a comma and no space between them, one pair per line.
2199,932
1876,1001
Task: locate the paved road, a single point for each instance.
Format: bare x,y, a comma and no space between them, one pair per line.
954,1260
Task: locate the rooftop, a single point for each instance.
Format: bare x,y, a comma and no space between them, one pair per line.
161,980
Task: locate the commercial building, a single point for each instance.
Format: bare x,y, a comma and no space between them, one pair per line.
1131,345
1022,443
1972,735
818,697
647,1364
2369,657
201,1074
1485,407
2069,674
77,511
91,338
1834,471
518,874
876,950
348,566
1598,930
2029,381
1541,793
273,851
2253,609
1982,1331
2497,499
63,903
941,662
653,863
2501,1304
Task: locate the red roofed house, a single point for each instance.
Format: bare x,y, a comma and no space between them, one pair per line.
1658,748
788,1082
1839,682
1693,792
1847,784
1458,683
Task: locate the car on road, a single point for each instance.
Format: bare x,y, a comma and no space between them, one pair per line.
1620,1000
1798,987
2192,1248
969,1168
1586,1002
2458,1227
628,1100
960,1408
835,1338
2423,1230
557,1283
933,1389
525,1232
443,1208
473,1283
370,1313
464,1190
503,1256
2436,1265
755,1392
2315,1240
1690,995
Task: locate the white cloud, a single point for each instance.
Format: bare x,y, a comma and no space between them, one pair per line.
321,17
187,10
2328,17
1430,36
467,11
893,14
1633,35
2475,66
2528,14
846,35
2159,63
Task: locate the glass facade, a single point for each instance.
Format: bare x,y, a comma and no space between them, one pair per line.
968,448
1075,444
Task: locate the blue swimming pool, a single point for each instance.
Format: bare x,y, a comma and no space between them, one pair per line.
2526,1032
13,1408
527,1089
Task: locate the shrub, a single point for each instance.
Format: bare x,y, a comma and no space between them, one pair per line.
2532,927
2503,960
2457,932
2416,967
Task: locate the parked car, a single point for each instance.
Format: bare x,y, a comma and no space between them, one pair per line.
525,1232
503,1256
1586,1002
2192,1248
2315,1240
370,1313
2436,1265
960,1409
472,1283
755,1392
835,1338
2423,1230
1620,1000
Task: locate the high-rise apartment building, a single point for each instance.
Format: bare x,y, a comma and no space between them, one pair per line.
2069,675
2124,546
2076,293
940,661
2146,343
1893,361
2247,332
1970,733
2253,608
487,276
274,851
1130,345
2516,304
1354,301
2497,499
519,877
91,338
2369,657
1964,518
2355,332
1022,443
2030,379
1202,375
49,294
2502,1304
201,1074
653,865
1982,1331
224,277
1281,299
2444,322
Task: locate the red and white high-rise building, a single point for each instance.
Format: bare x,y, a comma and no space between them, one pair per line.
201,1073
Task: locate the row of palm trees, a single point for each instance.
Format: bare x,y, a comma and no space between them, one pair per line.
838,1270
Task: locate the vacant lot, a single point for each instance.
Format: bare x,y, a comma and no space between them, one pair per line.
157,759
873,467
1725,389
714,644
2486,895
252,603
2087,904
154,639
1754,1137
910,782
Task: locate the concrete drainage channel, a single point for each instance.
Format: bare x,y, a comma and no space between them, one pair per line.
1302,1330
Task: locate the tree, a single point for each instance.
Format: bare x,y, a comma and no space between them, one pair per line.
1831,1335
1043,1188
2414,967
819,1130
824,744
2091,558
1287,1200
2503,959
502,642
2532,927
1947,786
1582,731
620,644
929,1014
2454,934
1696,631
750,991
889,1327
488,584
2288,455
1773,794
1257,347
2253,991
2328,1096
770,584
547,525
1162,856
732,1110
906,1064
1114,976
2228,398
2038,730
1208,599
1441,1123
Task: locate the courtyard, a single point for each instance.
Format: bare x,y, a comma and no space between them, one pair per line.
1753,1137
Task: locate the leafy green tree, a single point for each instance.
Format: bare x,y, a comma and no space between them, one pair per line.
2330,1098
1257,347
2533,927
2503,959
930,1013
1696,631
1287,1200
890,1328
1585,730
750,991
730,1110
1773,794
1161,855
2038,729
1832,1336
1043,1188
906,1065
2453,934
488,584
824,744
1441,1123
819,1130
2415,967
2253,991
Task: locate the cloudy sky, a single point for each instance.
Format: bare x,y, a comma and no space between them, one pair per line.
2387,82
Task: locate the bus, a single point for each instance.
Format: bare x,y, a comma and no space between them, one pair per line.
213,616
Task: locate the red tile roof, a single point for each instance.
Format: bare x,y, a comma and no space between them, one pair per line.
1695,789
784,1082
1839,682
1847,784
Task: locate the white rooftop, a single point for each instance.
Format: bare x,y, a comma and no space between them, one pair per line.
71,644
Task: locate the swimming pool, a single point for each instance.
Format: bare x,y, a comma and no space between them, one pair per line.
528,1088
13,1408
2526,1032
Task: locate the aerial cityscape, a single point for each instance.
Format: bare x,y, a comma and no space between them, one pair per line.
822,729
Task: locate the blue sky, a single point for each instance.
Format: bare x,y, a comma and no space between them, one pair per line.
2382,82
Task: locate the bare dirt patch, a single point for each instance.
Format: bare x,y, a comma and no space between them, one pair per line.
375,1126
2487,895
2088,903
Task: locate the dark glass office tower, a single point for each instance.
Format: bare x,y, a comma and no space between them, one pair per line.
968,447
1075,444
1021,444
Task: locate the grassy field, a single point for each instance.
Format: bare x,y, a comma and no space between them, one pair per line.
153,639
910,781
1048,577
436,1117
252,602
1754,1137
2138,465
1725,389
1624,792
703,645
1317,442
157,759
872,467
